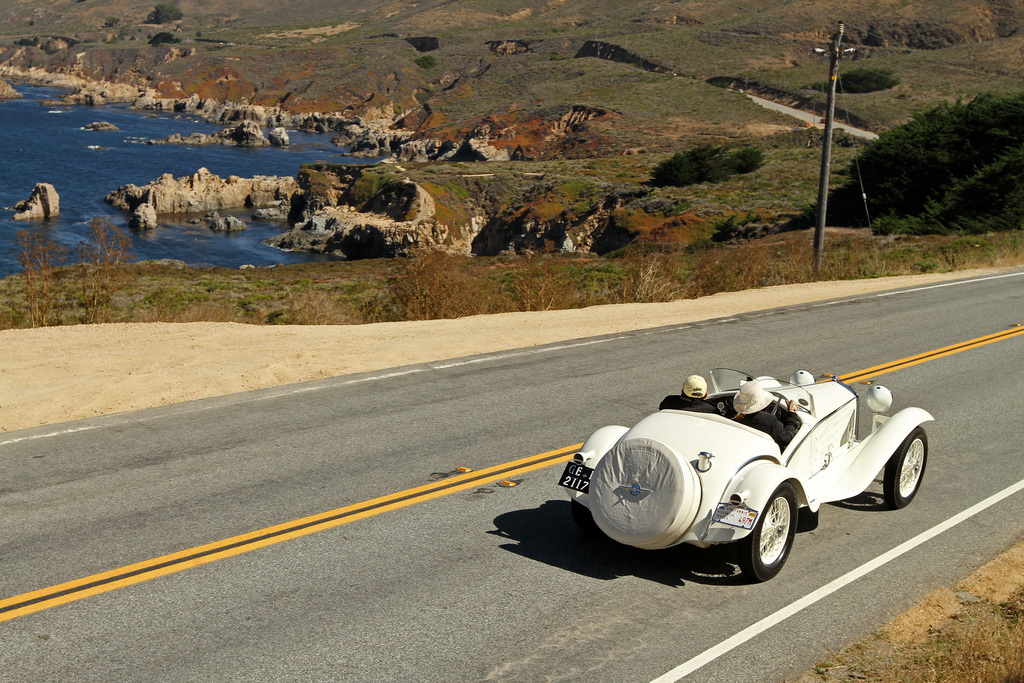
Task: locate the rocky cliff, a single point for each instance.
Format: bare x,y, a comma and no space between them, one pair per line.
378,211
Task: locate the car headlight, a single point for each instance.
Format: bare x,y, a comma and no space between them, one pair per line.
879,399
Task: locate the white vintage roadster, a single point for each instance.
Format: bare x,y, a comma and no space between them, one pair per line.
705,478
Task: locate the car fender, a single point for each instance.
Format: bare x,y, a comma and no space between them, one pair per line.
599,443
873,452
595,448
755,484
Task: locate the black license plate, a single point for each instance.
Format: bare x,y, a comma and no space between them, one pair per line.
576,477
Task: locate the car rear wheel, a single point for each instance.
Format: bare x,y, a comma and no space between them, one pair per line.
763,552
905,469
584,519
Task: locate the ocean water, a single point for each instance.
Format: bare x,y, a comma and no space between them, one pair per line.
47,144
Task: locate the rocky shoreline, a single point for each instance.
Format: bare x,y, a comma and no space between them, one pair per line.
328,209
378,133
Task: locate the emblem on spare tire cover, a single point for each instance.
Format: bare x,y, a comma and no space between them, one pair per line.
636,491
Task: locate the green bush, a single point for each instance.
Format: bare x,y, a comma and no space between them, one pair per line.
164,13
705,164
425,62
164,37
861,80
747,159
958,168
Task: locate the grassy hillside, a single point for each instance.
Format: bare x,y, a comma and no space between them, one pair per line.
348,56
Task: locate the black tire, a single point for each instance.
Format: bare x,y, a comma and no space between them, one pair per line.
584,519
905,470
762,561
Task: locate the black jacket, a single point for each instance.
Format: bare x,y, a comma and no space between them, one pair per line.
677,402
782,430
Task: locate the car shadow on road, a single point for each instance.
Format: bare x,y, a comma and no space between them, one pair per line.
864,502
548,534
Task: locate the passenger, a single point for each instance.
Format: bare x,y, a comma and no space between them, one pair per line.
691,398
750,402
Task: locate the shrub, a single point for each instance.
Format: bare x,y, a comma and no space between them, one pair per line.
432,285
956,168
860,80
99,271
425,62
747,159
164,13
705,164
164,38
40,259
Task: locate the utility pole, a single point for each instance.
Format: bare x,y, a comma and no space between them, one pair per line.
826,148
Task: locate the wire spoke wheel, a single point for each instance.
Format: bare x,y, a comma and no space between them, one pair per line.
765,549
913,464
905,470
775,531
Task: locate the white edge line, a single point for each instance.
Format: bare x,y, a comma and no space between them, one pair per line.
49,434
771,620
949,284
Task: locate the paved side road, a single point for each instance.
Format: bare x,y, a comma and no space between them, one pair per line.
812,117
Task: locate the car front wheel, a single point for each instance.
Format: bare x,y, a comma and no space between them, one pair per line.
763,552
905,469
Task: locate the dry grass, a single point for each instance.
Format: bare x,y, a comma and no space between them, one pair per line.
442,285
982,643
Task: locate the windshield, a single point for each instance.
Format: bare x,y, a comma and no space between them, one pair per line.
725,380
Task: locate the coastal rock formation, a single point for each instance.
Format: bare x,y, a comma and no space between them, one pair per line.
7,92
42,203
370,212
279,137
143,217
102,92
245,134
355,235
397,144
204,191
215,111
219,223
333,221
101,125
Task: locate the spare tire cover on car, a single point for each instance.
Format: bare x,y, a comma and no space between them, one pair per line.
642,493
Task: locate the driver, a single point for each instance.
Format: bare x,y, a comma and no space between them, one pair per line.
750,402
691,398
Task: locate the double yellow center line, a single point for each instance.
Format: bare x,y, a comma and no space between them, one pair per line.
45,598
27,603
870,373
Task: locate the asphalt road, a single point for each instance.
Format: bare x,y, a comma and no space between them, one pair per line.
489,582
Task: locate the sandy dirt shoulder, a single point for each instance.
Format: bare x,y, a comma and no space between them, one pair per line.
57,374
